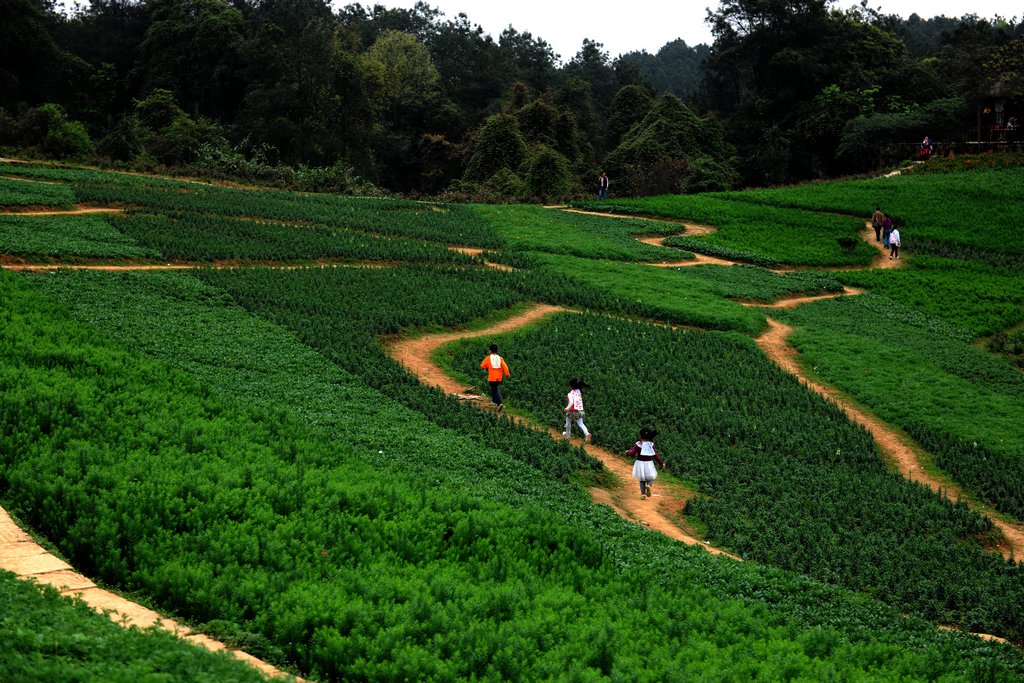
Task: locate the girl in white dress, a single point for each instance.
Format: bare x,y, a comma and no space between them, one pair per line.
645,454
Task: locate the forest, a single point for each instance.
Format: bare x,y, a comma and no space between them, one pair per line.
366,99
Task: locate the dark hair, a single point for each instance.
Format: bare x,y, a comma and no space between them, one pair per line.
494,348
646,433
578,384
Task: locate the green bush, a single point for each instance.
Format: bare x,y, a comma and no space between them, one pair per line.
499,144
547,173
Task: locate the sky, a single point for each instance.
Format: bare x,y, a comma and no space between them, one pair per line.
633,25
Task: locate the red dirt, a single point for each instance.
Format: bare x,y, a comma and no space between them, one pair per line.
623,498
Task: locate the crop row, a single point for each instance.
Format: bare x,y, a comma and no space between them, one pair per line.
14,193
453,224
775,234
81,236
272,518
784,477
535,228
47,637
978,298
950,395
450,224
979,210
205,237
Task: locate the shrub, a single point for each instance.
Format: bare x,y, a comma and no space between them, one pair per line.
547,173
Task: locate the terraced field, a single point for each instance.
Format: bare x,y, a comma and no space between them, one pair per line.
229,437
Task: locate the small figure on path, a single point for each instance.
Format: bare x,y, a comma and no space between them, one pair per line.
926,148
876,222
574,409
496,372
894,244
646,456
602,186
886,231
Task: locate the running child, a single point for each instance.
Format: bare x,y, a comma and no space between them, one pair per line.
496,371
574,410
646,456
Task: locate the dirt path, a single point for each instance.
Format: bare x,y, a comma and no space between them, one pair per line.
692,229
77,211
656,513
216,265
30,561
896,446
476,251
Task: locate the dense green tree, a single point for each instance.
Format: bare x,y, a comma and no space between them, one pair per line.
676,68
499,144
191,48
472,71
404,84
531,60
629,107
672,150
33,68
538,122
547,174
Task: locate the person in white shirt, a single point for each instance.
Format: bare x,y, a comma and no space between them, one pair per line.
574,409
894,244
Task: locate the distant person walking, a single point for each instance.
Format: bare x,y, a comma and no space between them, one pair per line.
894,244
876,222
574,409
602,186
644,469
886,231
926,147
496,372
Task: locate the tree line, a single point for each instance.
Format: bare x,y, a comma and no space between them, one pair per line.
298,93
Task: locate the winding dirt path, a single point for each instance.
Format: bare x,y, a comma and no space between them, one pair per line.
897,447
414,354
906,456
30,561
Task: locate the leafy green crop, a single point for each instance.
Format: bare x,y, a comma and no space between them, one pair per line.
769,235
200,237
921,374
71,237
783,476
46,637
534,228
19,193
269,514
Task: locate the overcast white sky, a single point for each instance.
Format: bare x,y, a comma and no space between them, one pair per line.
629,25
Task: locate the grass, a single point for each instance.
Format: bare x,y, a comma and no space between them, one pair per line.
534,228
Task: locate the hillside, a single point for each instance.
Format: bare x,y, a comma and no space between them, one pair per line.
202,409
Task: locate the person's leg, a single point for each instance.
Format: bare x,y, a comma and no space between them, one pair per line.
583,428
568,426
643,488
496,393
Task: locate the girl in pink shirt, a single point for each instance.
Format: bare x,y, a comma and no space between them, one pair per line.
574,409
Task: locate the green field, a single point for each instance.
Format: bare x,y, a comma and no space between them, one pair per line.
236,447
